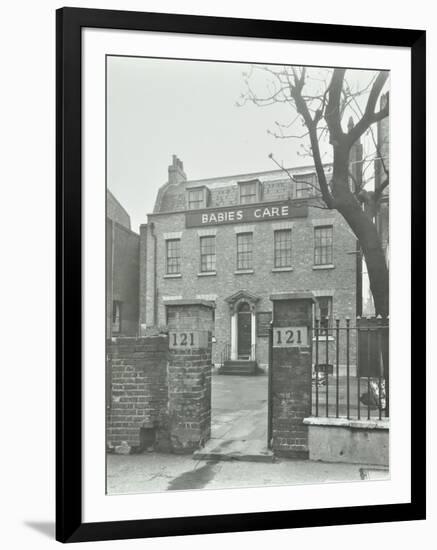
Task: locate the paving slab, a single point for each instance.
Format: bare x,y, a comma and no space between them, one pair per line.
238,420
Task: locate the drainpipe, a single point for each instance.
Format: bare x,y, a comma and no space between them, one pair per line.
111,303
359,283
155,290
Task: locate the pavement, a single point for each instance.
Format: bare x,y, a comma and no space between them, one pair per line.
157,472
239,432
238,420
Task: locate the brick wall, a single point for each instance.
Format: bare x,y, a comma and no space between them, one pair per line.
291,384
138,390
160,398
189,378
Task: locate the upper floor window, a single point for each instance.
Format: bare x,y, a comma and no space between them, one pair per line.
249,192
245,251
196,198
302,189
173,256
207,254
323,245
283,248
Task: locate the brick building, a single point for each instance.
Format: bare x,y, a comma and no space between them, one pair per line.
235,241
122,271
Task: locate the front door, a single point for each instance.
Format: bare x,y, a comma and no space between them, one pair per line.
244,331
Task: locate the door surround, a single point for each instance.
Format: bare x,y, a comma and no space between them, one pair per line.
235,301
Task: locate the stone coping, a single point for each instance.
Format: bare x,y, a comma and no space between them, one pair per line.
372,424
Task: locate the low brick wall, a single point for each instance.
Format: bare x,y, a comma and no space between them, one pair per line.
157,398
137,398
189,377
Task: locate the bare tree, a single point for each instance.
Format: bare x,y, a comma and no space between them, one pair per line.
321,114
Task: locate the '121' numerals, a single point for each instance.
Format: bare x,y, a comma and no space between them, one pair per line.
183,339
287,337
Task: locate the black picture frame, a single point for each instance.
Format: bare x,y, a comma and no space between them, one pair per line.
69,23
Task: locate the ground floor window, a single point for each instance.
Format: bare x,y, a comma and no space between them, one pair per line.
324,314
116,317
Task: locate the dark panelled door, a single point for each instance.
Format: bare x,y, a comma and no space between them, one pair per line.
244,331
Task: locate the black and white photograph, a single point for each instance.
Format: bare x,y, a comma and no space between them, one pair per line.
218,267
247,274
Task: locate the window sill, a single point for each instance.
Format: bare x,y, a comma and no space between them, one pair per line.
207,274
325,266
323,339
243,271
281,269
173,276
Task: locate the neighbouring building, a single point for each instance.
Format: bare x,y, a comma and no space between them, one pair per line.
235,241
122,271
382,166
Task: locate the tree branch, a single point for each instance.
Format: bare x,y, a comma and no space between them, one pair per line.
302,109
332,113
370,116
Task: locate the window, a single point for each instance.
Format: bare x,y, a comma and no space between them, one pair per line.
283,248
196,198
249,192
244,250
116,317
302,189
323,239
207,253
173,249
324,314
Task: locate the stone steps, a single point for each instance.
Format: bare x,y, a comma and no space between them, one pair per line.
239,368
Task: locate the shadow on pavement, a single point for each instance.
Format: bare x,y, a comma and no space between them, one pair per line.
194,479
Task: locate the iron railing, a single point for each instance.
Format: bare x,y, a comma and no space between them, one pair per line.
225,354
350,371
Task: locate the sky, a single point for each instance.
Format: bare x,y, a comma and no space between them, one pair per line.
159,107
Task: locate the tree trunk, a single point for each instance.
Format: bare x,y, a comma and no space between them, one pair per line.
365,230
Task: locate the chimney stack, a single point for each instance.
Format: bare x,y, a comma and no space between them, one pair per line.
176,172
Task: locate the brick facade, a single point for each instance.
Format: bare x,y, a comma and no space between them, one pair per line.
158,288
